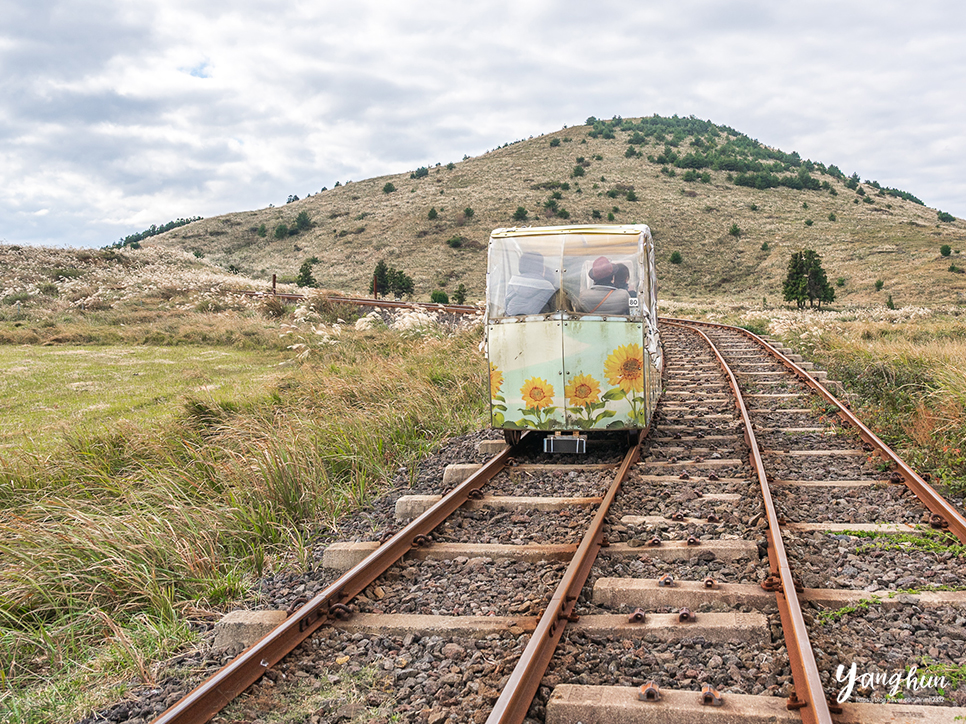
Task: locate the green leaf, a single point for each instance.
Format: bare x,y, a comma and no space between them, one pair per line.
615,393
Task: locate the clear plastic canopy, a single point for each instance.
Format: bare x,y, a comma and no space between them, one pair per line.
586,270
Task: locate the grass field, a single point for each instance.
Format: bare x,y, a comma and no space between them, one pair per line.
163,445
52,390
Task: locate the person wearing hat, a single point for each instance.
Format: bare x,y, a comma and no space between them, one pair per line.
529,292
602,297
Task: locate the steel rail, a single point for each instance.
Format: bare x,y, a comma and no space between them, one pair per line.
365,302
213,695
521,687
809,697
928,495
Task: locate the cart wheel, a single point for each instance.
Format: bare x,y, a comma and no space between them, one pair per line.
512,437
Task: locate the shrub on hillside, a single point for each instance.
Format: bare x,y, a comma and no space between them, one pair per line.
943,216
304,278
433,213
389,187
520,214
806,280
676,257
735,231
945,250
438,296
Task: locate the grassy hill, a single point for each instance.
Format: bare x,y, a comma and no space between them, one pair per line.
681,175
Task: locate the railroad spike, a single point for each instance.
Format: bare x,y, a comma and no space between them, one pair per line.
637,616
649,692
710,696
685,616
666,581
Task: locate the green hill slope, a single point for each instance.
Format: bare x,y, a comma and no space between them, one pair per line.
680,176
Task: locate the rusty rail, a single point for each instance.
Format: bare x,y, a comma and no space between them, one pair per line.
809,697
517,695
380,303
934,502
214,694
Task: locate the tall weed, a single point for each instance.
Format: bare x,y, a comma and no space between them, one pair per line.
108,538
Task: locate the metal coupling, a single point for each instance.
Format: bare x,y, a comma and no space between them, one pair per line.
649,692
685,616
693,540
772,584
710,696
339,611
637,616
709,582
666,581
422,540
655,541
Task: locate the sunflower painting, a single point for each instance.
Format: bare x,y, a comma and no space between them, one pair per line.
624,368
582,390
537,401
586,407
497,401
537,393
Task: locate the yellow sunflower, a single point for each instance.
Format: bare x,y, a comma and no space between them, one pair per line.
496,380
582,390
625,367
537,393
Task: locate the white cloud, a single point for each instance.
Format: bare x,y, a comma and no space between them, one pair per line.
120,116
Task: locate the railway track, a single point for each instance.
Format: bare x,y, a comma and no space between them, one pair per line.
722,571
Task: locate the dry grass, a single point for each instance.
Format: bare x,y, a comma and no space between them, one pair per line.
892,239
112,542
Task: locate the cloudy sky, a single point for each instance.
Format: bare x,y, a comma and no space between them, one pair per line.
118,115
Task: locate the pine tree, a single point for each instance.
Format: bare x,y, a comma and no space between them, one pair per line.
380,279
304,277
806,280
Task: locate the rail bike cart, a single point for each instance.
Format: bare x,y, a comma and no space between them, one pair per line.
571,330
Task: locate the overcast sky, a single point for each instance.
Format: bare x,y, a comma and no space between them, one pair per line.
118,115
